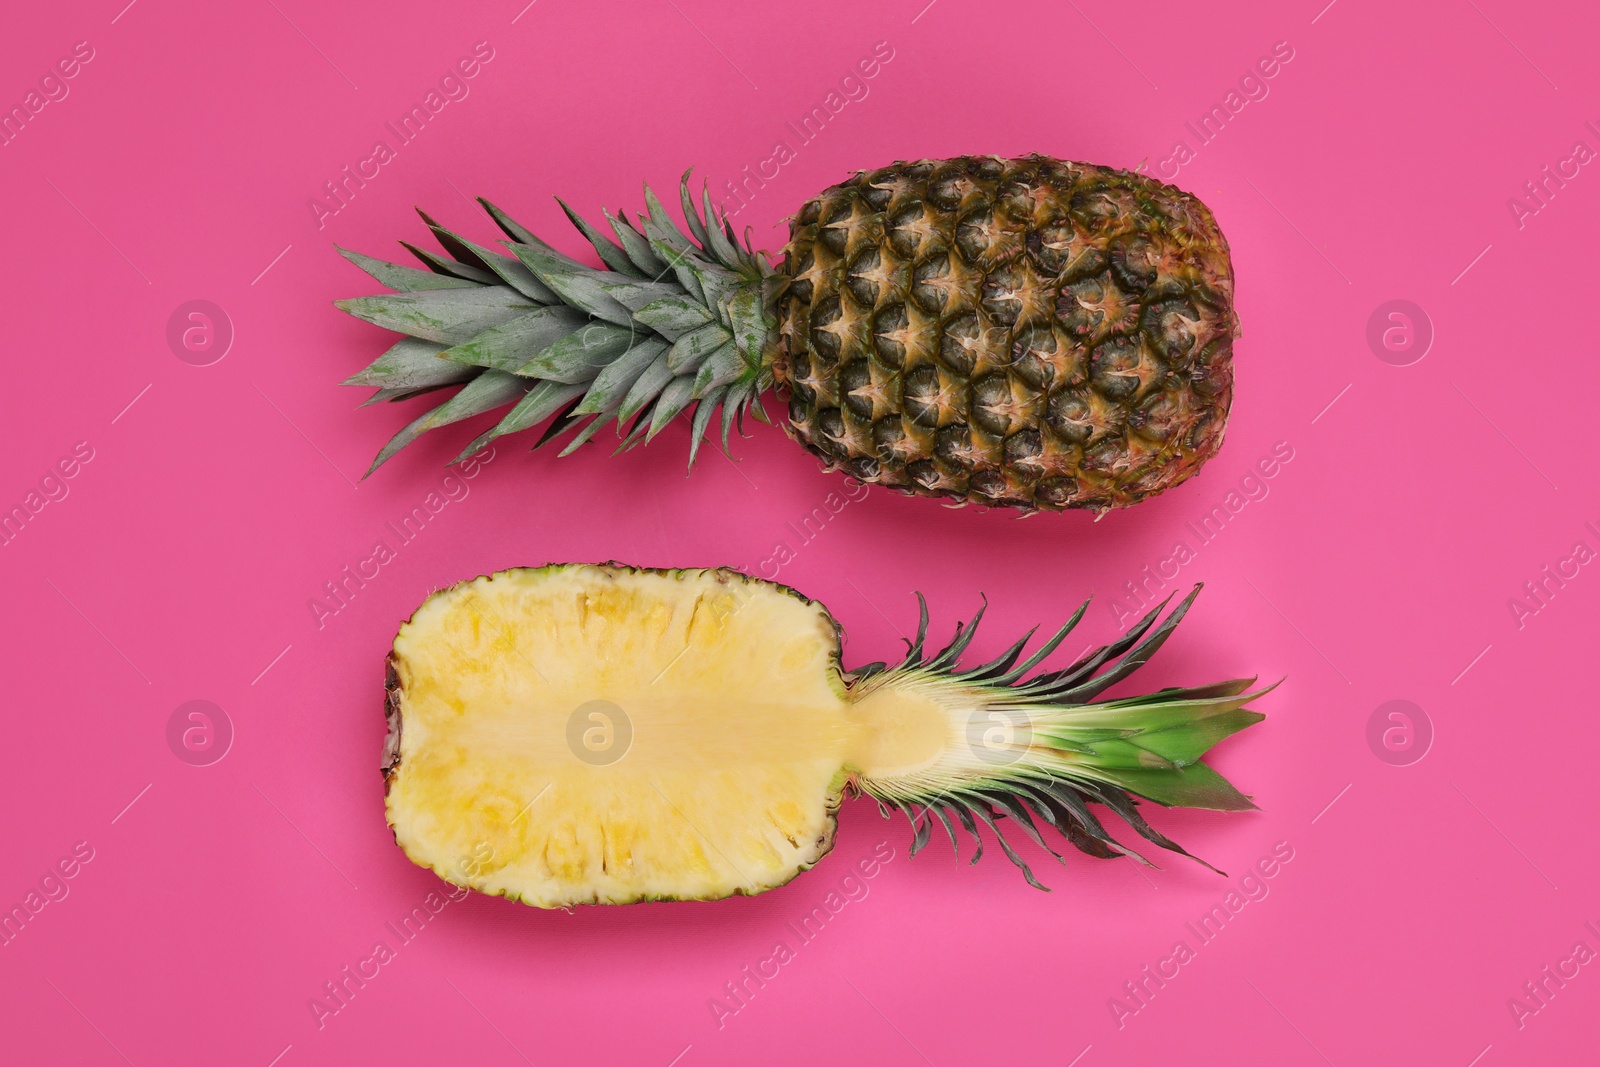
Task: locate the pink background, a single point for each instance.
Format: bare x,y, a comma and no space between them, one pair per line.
1379,566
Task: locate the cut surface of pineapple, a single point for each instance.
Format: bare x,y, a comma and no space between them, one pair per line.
581,734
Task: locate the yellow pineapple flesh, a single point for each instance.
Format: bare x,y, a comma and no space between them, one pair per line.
705,758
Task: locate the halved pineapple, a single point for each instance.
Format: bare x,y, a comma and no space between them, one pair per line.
618,735
600,734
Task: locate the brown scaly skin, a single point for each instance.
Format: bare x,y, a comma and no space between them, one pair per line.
1027,333
393,722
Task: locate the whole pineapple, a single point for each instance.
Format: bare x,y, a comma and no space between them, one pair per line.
1028,333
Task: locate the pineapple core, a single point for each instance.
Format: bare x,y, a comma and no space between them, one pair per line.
583,734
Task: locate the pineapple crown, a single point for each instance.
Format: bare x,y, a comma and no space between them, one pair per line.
671,319
1046,746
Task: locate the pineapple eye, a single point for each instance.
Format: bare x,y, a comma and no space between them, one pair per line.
989,483
825,341
1106,455
889,335
837,209
1113,369
994,408
1033,356
1157,418
1096,307
798,410
984,241
1133,263
1069,415
921,395
961,344
932,284
1054,245
947,191
1172,330
1212,373
877,189
1002,295
800,376
925,474
910,231
1063,251
1103,208
831,431
855,380
1024,448
865,277
1057,491
986,167
801,284
1016,199
889,437
954,446
834,234
863,468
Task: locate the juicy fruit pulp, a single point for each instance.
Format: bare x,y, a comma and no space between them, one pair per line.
599,734
1027,333
708,736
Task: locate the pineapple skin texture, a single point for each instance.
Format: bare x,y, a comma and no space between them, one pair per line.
1028,333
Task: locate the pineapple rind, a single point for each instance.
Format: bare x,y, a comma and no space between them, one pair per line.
1028,332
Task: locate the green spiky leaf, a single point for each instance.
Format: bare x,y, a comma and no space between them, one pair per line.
537,405
578,356
577,286
400,278
673,316
646,387
440,265
611,385
489,390
506,347
451,316
670,319
411,364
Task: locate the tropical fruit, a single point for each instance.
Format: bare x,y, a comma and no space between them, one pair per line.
1027,333
578,734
